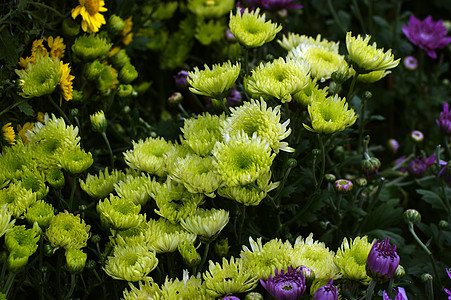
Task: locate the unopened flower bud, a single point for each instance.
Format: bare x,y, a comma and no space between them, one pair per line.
229,36
125,90
330,177
282,13
443,225
370,165
367,95
308,273
393,145
175,98
412,215
98,121
47,250
70,28
316,152
410,63
400,272
417,136
334,87
253,296
269,57
361,181
426,277
95,239
120,59
189,254
382,260
94,69
75,260
90,264
77,95
128,73
292,162
181,80
222,247
115,25
343,185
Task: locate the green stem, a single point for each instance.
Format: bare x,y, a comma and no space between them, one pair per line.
429,289
204,257
243,216
323,160
9,284
59,110
59,267
370,289
110,151
72,286
350,94
246,60
361,125
170,261
72,192
12,106
334,14
47,7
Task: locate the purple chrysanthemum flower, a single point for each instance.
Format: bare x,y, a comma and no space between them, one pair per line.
285,286
446,290
445,120
400,164
181,80
400,296
419,165
427,34
417,136
410,62
326,292
382,260
277,4
230,297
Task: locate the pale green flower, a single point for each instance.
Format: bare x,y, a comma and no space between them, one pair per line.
34,180
202,133
330,115
136,188
40,78
75,260
206,223
351,259
255,116
140,234
189,254
13,159
197,174
99,186
249,195
251,29
264,259
187,289
211,31
369,57
230,277
55,178
148,156
210,8
119,213
147,289
309,93
76,161
40,212
5,220
98,121
17,199
67,231
279,79
177,151
130,262
215,82
17,260
175,202
294,40
22,239
372,76
241,159
166,236
91,47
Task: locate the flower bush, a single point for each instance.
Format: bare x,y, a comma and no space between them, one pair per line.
225,150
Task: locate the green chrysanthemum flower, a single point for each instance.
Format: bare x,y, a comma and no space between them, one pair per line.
91,47
67,231
210,8
147,289
249,195
177,151
99,186
215,82
309,93
372,76
190,256
369,57
128,73
34,180
148,156
5,220
41,213
119,213
17,199
351,259
98,121
264,259
186,289
197,175
40,78
75,260
76,161
279,79
241,159
13,159
294,40
208,32
250,28
206,223
166,237
175,202
130,262
136,188
202,133
330,115
17,260
230,277
55,178
22,239
255,116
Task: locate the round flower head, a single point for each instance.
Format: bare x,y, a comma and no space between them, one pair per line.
279,79
351,259
326,292
119,57
285,286
119,213
444,123
241,159
251,29
148,156
330,115
165,237
75,260
98,121
67,231
90,11
76,161
65,82
128,73
206,223
34,180
427,34
230,277
5,220
91,47
417,136
256,117
197,174
175,202
410,62
369,57
311,91
202,133
41,213
17,260
147,289
22,239
17,199
263,260
99,186
107,80
215,82
181,80
211,8
136,188
174,153
382,260
130,262
209,31
40,78
294,40
8,134
188,288
13,160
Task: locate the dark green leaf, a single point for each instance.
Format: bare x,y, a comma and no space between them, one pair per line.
432,198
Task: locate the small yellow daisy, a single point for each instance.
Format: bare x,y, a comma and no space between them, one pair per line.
8,133
90,11
65,82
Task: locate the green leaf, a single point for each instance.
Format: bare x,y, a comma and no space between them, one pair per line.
432,198
26,108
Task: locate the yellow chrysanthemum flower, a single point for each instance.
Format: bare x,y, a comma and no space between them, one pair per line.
65,82
310,92
90,11
37,48
127,35
186,289
165,237
118,213
56,45
21,130
8,134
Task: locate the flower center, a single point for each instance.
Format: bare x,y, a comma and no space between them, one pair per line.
92,6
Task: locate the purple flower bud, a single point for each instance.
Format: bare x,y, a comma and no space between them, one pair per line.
400,296
285,286
327,292
229,36
393,145
181,80
417,136
343,185
410,62
382,260
445,120
229,296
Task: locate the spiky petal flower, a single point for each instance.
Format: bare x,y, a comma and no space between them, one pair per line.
285,286
427,34
279,79
17,199
310,92
136,188
444,123
251,29
147,289
90,11
100,185
76,161
230,277
56,45
382,260
351,259
165,237
206,223
326,292
8,134
294,40
5,220
330,115
369,57
118,213
20,238
91,47
67,231
400,296
75,260
188,288
215,82
241,159
210,9
40,212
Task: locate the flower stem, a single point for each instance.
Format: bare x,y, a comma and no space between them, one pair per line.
47,7
323,160
204,257
370,289
72,193
361,124
105,138
72,286
59,110
246,60
334,14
